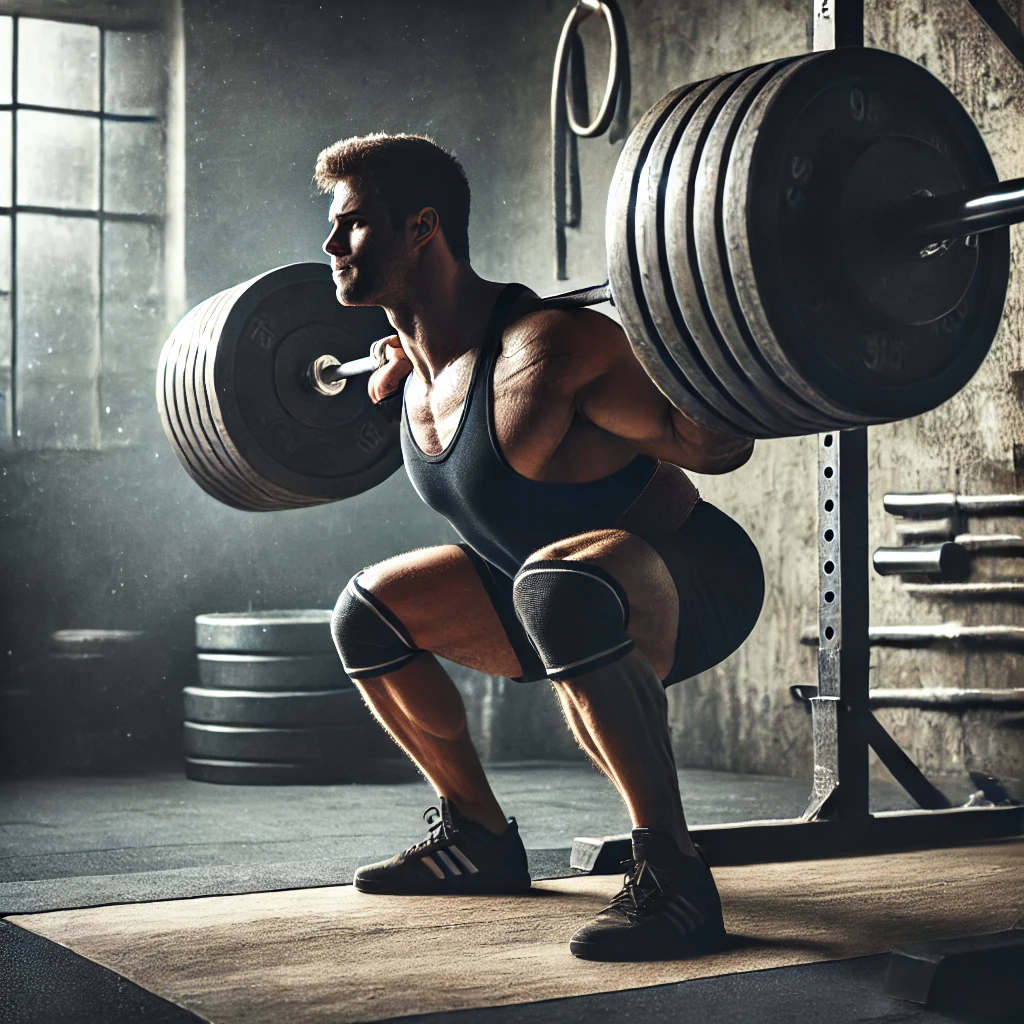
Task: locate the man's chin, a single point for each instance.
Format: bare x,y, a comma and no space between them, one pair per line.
349,296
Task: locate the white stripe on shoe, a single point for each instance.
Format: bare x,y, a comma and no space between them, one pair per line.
464,860
448,862
432,864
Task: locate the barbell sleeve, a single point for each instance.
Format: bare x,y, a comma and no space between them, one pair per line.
935,219
326,373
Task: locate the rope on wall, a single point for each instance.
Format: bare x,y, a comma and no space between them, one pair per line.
570,115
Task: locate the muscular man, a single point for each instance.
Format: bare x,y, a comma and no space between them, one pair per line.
588,557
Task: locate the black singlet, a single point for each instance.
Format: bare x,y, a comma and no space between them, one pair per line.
503,515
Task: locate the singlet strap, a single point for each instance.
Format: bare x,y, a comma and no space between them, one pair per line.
501,316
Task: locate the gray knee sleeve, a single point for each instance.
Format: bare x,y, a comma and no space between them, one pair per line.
370,639
575,614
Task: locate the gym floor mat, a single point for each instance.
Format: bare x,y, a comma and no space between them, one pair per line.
333,954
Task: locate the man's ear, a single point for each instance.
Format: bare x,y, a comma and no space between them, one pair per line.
423,226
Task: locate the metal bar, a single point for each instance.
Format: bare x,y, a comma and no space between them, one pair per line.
903,769
930,506
837,23
993,14
968,591
1008,543
949,560
840,709
576,299
16,32
580,297
38,108
768,842
936,698
930,219
55,211
1006,637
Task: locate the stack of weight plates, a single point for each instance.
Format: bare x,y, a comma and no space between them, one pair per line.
273,705
742,224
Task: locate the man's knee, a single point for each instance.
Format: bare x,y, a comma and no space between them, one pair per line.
575,613
370,638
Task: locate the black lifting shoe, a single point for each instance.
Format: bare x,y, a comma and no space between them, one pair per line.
458,857
668,908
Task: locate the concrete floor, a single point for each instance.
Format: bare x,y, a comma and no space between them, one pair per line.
85,841
74,842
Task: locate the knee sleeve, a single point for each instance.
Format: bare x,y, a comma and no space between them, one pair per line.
575,614
369,636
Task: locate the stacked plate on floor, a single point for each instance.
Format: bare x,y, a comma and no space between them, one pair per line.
273,706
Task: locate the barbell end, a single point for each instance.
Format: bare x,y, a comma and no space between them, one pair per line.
931,220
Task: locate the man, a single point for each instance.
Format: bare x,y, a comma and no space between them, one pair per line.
588,557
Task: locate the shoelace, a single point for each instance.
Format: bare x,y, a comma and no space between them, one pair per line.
633,898
437,832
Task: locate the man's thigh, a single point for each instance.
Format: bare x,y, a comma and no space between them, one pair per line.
438,595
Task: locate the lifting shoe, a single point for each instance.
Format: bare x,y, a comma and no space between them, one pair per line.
668,908
458,857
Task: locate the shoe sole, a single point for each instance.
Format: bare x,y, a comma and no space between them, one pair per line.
383,889
595,951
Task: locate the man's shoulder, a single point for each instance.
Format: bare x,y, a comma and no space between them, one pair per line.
567,333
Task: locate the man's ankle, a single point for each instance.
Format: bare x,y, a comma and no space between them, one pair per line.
494,821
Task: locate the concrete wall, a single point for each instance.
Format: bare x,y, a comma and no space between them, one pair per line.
121,539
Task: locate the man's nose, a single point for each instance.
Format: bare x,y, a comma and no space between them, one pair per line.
334,244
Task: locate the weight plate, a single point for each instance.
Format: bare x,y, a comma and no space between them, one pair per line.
179,397
256,743
339,769
273,672
341,445
264,494
171,415
292,631
803,416
310,709
623,270
682,199
783,199
681,355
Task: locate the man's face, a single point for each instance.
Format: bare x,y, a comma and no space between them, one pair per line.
367,255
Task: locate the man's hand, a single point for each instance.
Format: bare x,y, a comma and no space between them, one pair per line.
395,368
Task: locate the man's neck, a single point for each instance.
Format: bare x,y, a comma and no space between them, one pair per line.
444,317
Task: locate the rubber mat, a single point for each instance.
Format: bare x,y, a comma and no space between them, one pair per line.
333,954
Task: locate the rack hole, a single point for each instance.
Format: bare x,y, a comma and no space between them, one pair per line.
829,596
828,440
830,567
829,535
829,505
829,471
829,632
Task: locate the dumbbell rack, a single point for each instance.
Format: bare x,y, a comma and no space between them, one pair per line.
838,820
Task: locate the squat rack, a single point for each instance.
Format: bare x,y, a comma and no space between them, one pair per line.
838,820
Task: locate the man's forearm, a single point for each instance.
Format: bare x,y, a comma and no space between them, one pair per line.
708,451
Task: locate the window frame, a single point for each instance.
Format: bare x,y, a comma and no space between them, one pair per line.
100,214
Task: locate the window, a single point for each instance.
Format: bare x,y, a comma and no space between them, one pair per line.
82,203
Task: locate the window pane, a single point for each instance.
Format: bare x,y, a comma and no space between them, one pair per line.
57,313
58,160
5,290
58,64
132,296
136,73
5,157
6,56
5,327
133,167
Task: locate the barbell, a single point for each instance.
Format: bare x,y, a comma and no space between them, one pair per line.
810,244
